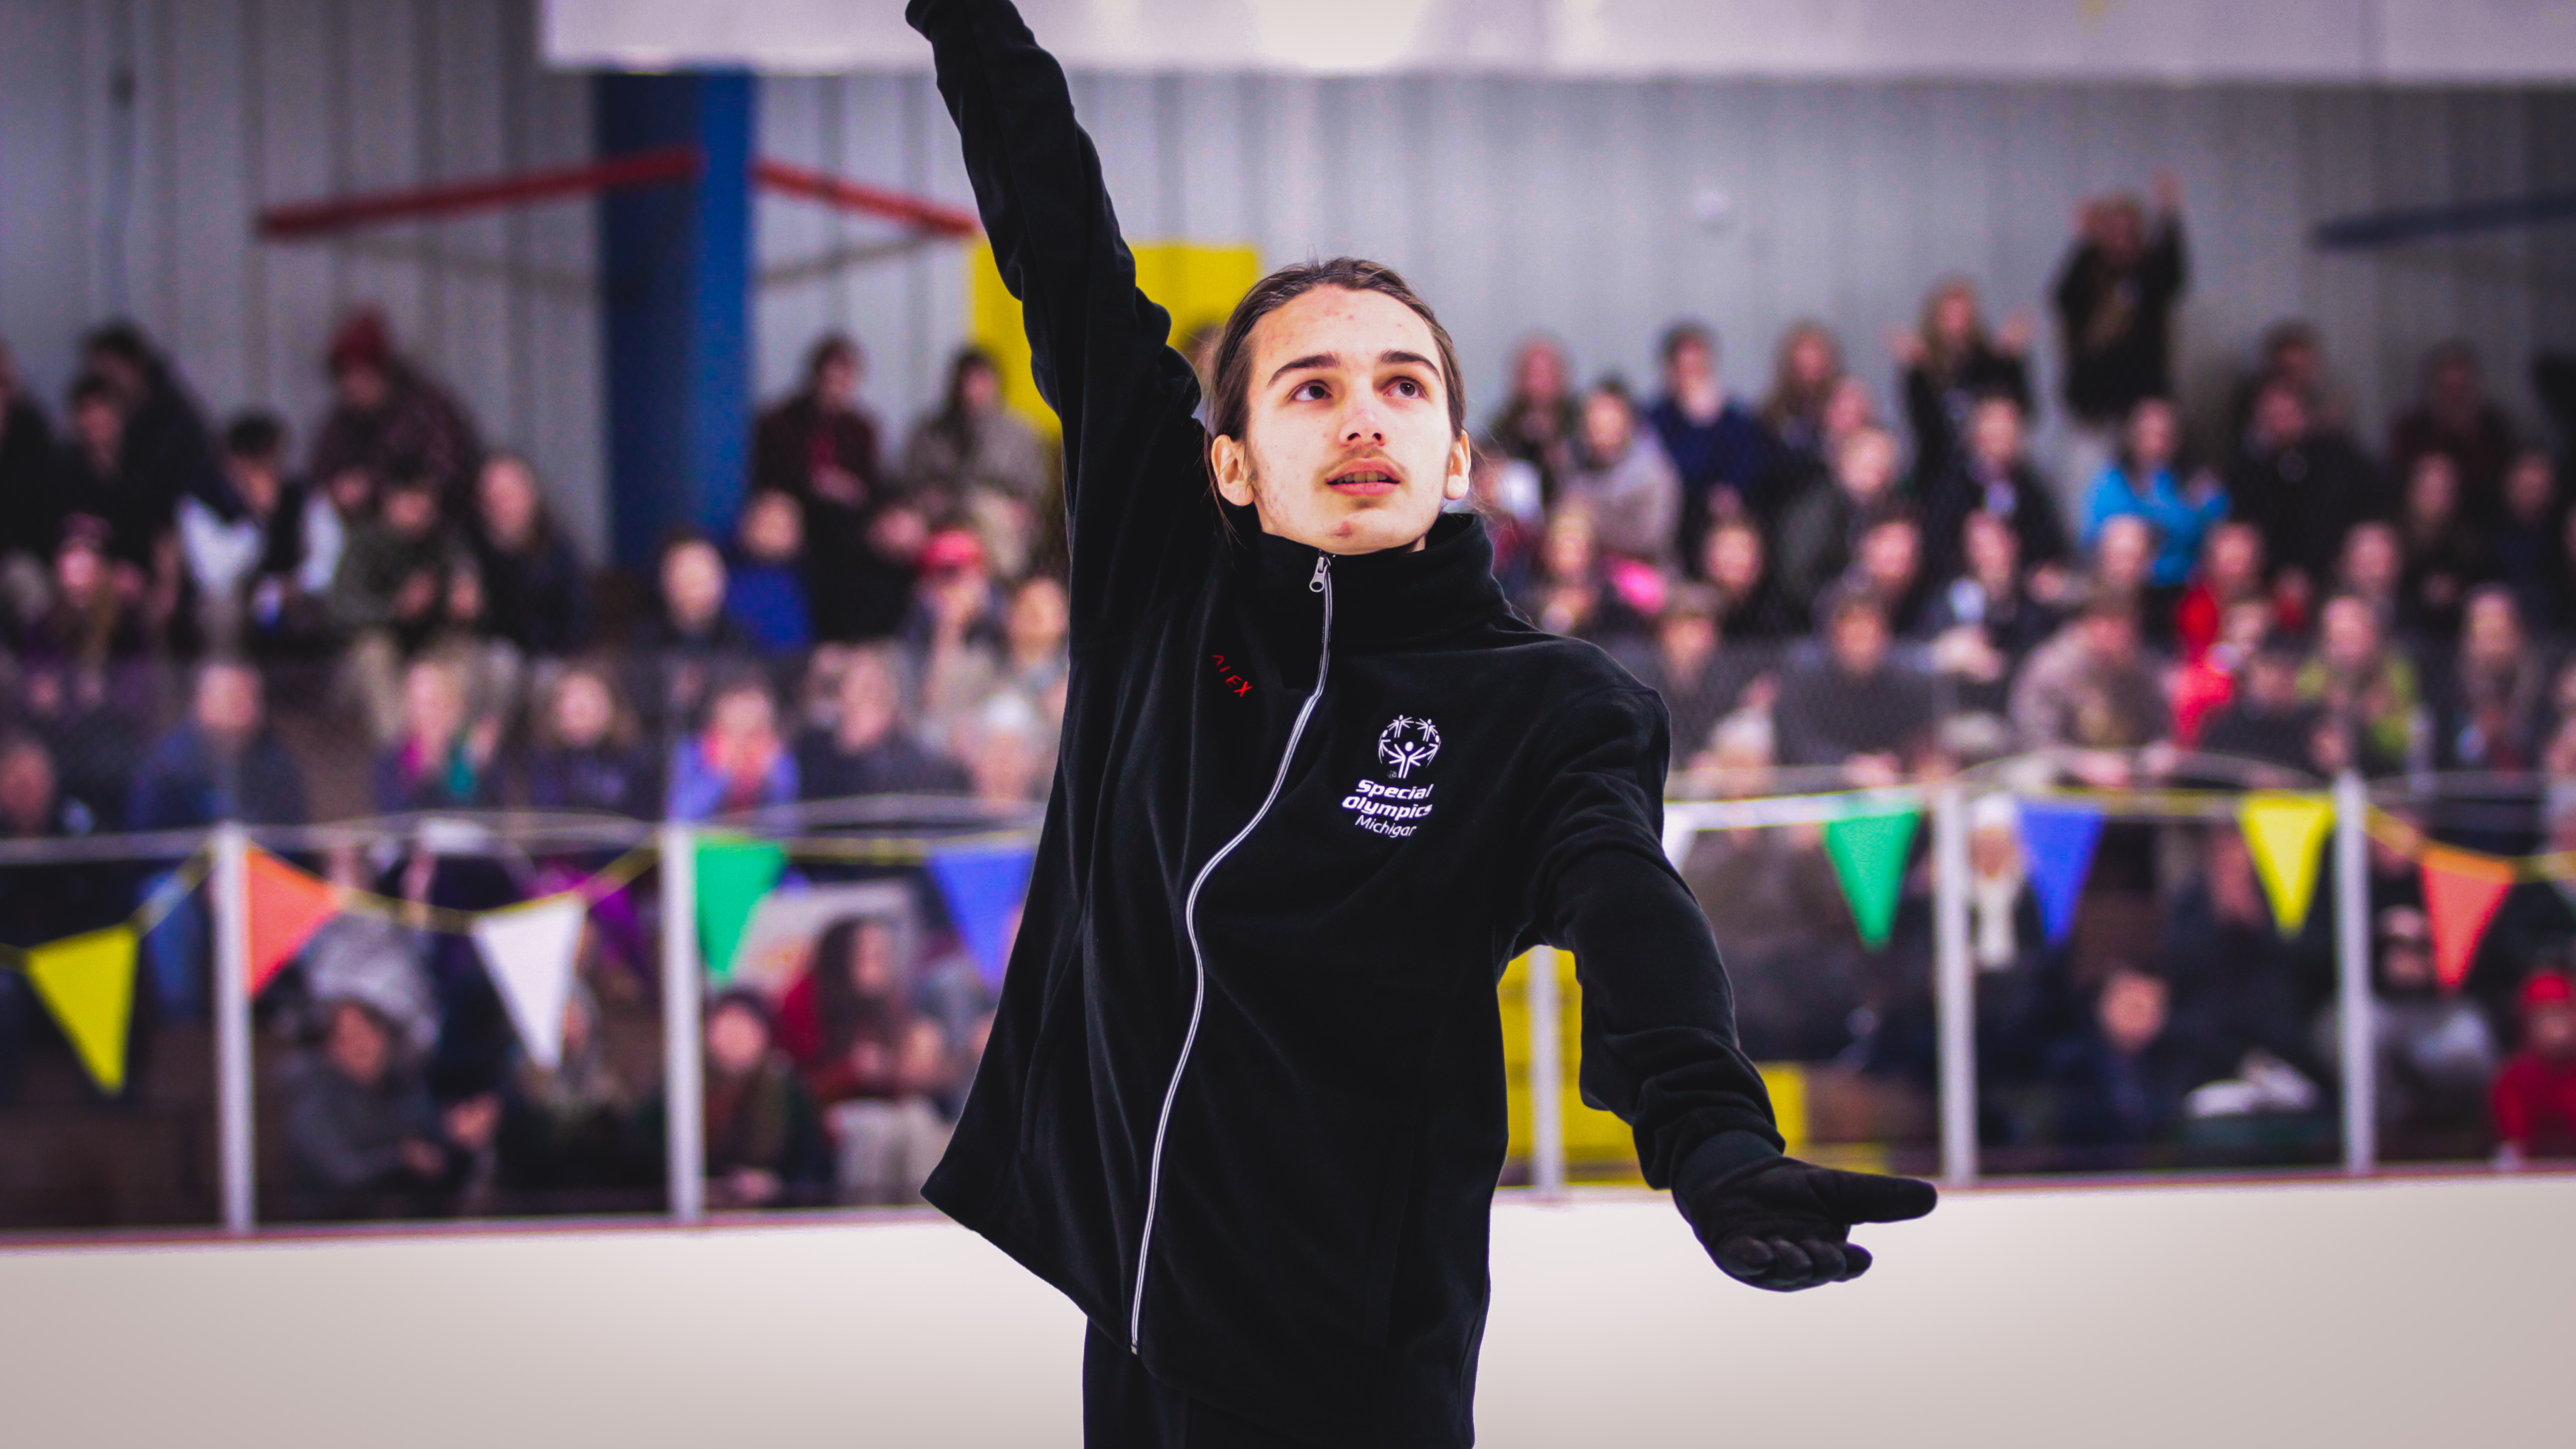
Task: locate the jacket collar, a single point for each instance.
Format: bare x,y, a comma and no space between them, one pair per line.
1397,598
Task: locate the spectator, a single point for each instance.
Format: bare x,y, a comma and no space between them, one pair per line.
871,1058
1854,707
586,756
2436,1054
86,682
2495,715
1888,563
1992,474
568,1138
764,1144
866,751
2445,554
165,441
972,458
388,421
1700,683
535,594
2264,718
2290,353
2524,542
2092,691
1540,421
259,575
737,762
2143,482
1504,493
691,639
1949,365
2115,298
365,1138
26,485
97,478
2454,418
1804,375
1569,592
765,585
2230,574
2372,569
1008,753
2239,988
2535,1094
820,447
1736,562
1794,473
2118,1087
2368,690
2304,489
1817,533
223,762
1985,622
389,596
1624,480
1716,445
440,759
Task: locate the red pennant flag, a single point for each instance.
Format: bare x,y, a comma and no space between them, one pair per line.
286,908
2461,893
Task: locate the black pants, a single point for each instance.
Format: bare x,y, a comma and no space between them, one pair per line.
1123,1407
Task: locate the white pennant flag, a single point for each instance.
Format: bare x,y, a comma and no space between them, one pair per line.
529,951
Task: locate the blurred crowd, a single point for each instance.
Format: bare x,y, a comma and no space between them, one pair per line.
202,621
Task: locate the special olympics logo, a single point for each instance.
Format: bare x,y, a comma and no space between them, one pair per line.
1407,744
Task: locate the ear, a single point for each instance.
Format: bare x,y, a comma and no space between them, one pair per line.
1462,468
1232,467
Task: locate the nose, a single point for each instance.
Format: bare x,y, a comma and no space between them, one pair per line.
1364,421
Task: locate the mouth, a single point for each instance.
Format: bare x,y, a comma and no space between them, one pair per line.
1364,480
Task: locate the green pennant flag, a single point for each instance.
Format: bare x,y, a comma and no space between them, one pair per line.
732,877
1868,852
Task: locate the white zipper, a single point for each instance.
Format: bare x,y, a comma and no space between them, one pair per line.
1321,583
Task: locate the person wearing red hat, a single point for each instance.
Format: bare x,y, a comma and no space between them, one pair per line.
2535,1094
387,421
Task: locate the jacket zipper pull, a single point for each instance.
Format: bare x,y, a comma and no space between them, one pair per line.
1323,561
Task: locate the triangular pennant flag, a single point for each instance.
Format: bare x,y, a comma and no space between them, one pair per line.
2285,832
1868,852
87,982
2057,840
983,888
2461,893
286,908
732,877
530,951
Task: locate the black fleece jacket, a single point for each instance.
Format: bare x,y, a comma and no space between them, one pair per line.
1244,1097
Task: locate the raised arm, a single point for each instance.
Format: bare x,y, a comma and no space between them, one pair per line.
1137,502
1659,1045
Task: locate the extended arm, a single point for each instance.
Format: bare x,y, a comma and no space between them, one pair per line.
1659,1044
1135,457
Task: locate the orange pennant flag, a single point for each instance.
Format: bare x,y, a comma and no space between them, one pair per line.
2461,893
286,908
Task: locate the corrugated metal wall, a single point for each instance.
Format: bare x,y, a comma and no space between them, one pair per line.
1514,203
138,137
1573,206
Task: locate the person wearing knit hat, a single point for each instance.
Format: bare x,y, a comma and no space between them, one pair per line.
388,421
2535,1094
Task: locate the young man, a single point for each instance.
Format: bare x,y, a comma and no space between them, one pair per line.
1244,1098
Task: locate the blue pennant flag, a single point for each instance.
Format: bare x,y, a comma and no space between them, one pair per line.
984,889
2057,841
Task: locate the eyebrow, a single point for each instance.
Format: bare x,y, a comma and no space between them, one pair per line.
1390,357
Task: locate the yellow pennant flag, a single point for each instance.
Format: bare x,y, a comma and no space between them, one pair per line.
87,982
1197,285
2285,831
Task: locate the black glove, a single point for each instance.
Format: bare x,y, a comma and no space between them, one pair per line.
1782,1224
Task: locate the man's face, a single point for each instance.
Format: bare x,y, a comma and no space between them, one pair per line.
361,387
411,512
1347,443
1859,641
2551,1029
693,583
228,702
2132,1011
357,1046
1607,426
1690,369
1994,432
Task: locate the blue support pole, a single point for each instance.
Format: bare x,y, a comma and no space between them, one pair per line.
675,298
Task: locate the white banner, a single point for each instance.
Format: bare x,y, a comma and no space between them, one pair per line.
530,952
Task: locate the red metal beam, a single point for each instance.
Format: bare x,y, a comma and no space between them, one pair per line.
833,191
643,168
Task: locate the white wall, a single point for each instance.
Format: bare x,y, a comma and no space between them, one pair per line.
1572,205
145,208
2325,1316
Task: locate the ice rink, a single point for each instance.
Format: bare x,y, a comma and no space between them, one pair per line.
2386,1313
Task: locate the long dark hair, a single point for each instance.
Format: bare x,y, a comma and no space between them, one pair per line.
847,1015
1230,406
